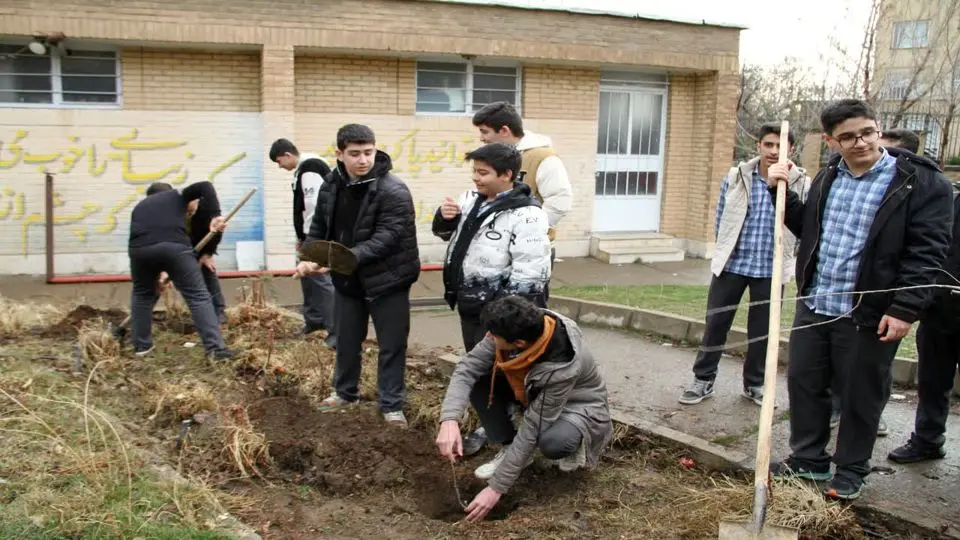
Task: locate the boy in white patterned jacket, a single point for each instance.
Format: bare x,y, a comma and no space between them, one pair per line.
499,242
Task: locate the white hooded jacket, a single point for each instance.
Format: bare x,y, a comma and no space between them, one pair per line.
553,184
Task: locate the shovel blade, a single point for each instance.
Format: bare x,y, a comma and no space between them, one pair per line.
731,530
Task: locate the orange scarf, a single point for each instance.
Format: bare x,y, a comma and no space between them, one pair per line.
516,369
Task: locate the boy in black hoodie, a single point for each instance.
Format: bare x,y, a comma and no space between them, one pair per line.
363,206
159,243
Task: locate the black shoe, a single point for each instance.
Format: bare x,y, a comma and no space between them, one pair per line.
474,442
844,488
788,468
222,355
913,453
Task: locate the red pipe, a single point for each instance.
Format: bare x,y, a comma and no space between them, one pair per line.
120,278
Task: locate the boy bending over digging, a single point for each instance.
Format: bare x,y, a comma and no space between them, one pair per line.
536,359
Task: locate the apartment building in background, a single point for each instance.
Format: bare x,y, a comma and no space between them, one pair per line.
917,71
111,96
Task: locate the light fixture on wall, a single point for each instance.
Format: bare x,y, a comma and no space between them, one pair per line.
37,47
43,42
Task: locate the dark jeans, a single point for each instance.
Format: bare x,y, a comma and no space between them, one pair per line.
472,331
860,362
726,290
938,349
319,306
546,288
557,440
180,263
391,321
216,293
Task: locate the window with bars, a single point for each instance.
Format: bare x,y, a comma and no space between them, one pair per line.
452,88
74,77
910,34
626,183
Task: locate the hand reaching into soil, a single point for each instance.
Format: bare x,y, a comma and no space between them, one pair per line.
482,504
448,440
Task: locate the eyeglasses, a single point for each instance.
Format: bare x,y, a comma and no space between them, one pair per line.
849,140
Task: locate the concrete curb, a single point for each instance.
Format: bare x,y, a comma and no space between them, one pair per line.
686,329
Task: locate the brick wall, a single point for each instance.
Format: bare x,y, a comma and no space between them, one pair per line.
174,80
560,92
354,84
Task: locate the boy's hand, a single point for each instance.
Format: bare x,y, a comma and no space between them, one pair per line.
778,173
449,209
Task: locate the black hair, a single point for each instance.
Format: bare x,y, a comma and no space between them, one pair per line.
772,127
158,187
281,147
904,138
513,318
498,114
354,134
502,157
842,110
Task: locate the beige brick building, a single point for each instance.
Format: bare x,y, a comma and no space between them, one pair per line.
642,112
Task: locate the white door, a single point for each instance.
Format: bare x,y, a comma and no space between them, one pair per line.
629,168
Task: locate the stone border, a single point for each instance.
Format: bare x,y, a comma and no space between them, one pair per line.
686,329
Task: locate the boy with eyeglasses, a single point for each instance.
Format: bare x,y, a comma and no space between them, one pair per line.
876,219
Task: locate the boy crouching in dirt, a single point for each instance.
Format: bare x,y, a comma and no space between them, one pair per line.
534,358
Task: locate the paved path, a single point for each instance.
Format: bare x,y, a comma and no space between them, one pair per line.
645,378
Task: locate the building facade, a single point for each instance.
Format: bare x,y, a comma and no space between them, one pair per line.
917,75
110,96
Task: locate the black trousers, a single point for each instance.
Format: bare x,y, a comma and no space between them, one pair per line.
546,288
938,349
471,330
860,363
391,320
180,263
216,293
557,440
726,290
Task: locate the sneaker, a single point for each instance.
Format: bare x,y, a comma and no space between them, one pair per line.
474,442
396,418
575,460
843,488
882,430
788,469
700,391
754,394
333,402
145,352
487,470
834,419
221,355
913,453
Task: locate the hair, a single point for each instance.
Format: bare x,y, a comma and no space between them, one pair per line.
158,187
772,127
904,138
498,114
502,157
281,147
354,134
513,318
842,110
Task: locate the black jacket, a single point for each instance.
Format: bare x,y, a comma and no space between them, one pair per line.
385,232
199,225
907,242
945,306
314,165
162,217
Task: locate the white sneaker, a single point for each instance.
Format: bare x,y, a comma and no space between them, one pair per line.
145,353
575,460
486,471
396,418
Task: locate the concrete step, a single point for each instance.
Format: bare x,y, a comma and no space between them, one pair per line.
652,254
635,241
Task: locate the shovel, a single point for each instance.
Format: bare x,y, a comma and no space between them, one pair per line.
121,330
328,254
756,529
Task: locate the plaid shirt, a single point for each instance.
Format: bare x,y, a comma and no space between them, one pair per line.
852,203
753,255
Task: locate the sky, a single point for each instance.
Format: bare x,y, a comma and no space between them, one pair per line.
807,31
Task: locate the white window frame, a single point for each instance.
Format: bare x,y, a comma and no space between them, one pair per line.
56,75
470,64
917,41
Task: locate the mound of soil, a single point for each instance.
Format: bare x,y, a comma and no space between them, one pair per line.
71,323
354,451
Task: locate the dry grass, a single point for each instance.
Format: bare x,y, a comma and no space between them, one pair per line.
17,317
245,449
179,401
97,343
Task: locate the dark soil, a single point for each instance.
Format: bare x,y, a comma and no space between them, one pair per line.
69,326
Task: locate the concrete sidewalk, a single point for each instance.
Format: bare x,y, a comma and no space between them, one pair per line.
645,378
